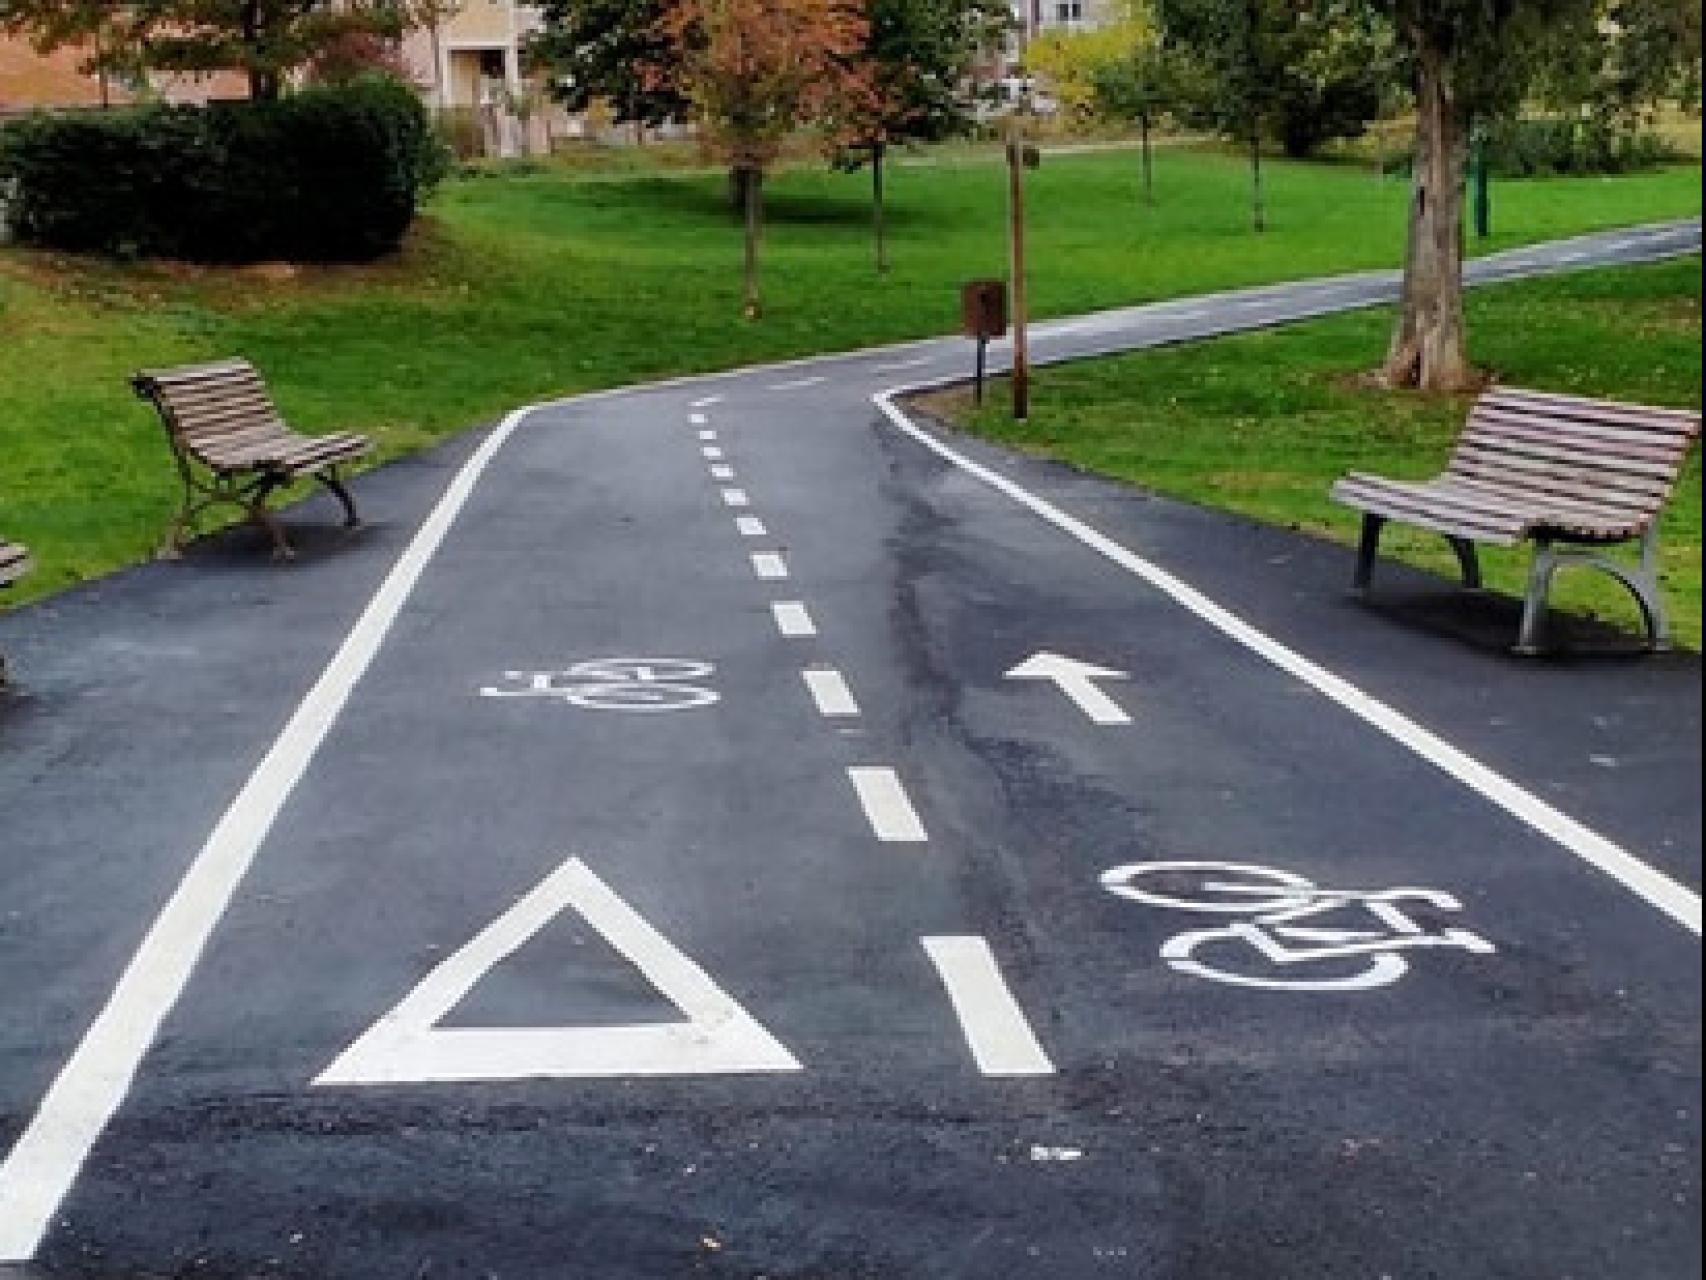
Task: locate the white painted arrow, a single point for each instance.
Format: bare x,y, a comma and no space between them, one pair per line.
1077,681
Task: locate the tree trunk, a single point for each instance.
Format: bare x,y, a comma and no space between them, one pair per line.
752,184
878,210
1259,211
1148,160
264,86
1428,348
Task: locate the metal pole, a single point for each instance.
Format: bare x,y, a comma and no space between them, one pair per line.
977,382
1021,344
1483,201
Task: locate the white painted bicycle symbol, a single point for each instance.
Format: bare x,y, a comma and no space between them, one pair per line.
616,684
1319,958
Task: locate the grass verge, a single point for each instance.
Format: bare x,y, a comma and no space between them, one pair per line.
534,281
1263,423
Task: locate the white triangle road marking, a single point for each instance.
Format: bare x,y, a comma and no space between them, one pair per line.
408,1046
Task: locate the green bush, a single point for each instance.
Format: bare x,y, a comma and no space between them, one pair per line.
325,175
1563,146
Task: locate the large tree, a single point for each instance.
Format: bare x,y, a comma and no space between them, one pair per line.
757,71
918,61
264,40
1473,61
614,51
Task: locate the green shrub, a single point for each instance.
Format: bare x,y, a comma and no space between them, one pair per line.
1563,146
1546,146
324,175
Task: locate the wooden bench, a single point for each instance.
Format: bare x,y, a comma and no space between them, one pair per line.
1563,471
14,564
232,447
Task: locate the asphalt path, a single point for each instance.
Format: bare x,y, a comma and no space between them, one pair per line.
681,837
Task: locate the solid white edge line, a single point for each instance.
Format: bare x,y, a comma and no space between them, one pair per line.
1672,898
887,807
41,1167
793,619
995,1028
829,692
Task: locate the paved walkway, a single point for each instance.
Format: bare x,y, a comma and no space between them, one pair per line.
728,828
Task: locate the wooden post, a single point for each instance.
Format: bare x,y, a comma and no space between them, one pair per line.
1016,211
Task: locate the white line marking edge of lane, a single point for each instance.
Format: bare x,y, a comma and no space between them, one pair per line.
1675,900
44,1163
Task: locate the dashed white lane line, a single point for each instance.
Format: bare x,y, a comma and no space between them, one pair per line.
830,692
705,402
711,453
750,526
887,806
697,419
793,619
798,384
708,435
1000,1039
769,565
722,471
1674,899
736,498
895,366
1195,313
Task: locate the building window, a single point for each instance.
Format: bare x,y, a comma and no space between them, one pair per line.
1069,11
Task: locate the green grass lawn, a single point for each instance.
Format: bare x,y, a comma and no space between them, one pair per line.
1263,423
527,284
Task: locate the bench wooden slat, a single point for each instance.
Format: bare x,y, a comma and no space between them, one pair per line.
293,455
1613,451
1653,418
1519,471
1420,502
1541,492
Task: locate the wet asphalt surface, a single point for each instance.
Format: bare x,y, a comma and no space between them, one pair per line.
1517,1095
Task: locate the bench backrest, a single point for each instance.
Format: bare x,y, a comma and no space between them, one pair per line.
1595,458
213,411
14,562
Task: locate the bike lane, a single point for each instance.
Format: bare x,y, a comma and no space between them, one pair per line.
897,1155
733,829
1532,1109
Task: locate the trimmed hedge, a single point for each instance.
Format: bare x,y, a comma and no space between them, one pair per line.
326,175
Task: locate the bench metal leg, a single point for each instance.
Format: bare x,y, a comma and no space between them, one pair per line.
1367,550
1534,603
1467,561
1641,580
330,478
255,500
